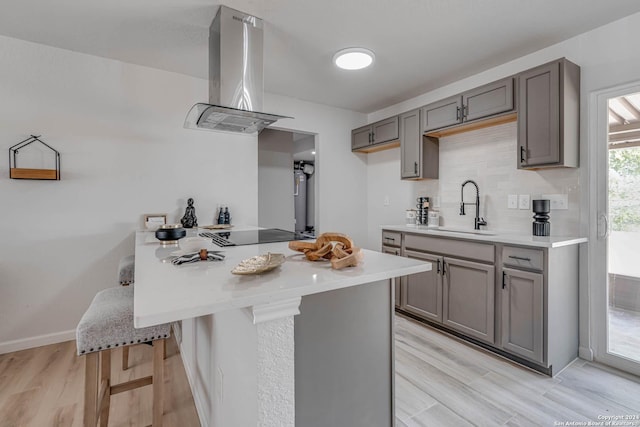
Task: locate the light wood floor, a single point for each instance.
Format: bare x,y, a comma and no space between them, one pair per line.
624,333
443,382
439,382
43,387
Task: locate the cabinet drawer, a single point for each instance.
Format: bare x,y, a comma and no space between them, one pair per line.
523,257
391,238
458,248
390,250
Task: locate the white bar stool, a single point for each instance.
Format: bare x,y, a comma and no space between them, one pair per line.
107,324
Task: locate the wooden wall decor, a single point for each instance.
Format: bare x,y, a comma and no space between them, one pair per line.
32,173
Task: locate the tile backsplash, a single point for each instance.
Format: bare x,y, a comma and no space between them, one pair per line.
488,156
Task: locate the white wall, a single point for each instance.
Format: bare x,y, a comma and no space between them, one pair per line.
606,59
275,180
487,156
341,176
124,153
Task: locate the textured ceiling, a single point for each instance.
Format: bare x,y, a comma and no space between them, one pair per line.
419,44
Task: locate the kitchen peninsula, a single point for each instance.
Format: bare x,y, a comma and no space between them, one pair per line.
300,345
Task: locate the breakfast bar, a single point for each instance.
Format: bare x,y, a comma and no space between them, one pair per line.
300,345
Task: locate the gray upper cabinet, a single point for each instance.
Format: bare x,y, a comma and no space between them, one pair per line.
548,116
385,130
488,100
360,137
479,103
366,137
468,298
442,113
418,153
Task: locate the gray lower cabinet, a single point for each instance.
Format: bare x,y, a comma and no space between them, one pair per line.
548,115
468,298
529,311
398,280
523,313
392,244
422,293
418,153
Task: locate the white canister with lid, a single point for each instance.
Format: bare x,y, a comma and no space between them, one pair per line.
433,219
411,217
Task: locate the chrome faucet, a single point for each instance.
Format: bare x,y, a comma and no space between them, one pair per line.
477,222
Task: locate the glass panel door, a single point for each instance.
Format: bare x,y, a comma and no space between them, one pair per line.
623,242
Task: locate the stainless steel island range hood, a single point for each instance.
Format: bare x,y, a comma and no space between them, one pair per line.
235,77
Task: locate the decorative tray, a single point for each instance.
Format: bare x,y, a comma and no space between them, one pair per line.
259,264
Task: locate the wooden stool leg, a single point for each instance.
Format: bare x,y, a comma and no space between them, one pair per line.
125,358
105,387
158,382
91,390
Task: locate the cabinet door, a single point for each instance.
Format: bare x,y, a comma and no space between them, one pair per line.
398,295
385,130
442,113
410,144
422,292
360,137
487,100
539,116
522,314
468,298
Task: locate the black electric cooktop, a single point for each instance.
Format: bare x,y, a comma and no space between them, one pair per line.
252,237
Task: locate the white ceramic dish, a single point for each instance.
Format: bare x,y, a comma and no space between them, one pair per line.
259,264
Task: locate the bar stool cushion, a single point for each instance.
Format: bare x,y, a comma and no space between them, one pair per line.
126,269
108,323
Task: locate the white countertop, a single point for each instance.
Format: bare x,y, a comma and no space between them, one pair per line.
165,292
490,237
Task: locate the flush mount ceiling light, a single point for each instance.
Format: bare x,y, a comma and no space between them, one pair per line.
353,58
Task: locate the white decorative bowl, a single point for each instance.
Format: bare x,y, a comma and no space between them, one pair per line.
259,264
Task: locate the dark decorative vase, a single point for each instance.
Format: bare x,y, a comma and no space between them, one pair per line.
541,226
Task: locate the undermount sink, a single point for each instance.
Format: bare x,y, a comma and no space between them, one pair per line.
464,230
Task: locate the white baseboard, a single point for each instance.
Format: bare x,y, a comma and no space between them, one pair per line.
197,397
585,353
40,340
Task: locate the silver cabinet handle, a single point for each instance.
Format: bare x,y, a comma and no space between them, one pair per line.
458,114
522,153
415,168
520,258
390,238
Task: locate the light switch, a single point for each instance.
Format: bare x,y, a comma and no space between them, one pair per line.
557,201
512,201
386,200
523,201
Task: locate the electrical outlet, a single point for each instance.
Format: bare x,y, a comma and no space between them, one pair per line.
436,202
512,201
386,200
557,201
523,201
